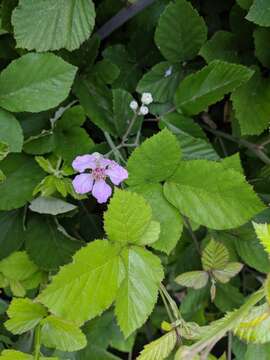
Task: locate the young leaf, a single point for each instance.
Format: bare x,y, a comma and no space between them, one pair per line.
10,131
211,195
193,279
143,275
215,256
159,349
18,266
155,160
259,13
50,205
53,25
35,82
209,85
63,335
89,283
263,234
230,270
180,32
24,315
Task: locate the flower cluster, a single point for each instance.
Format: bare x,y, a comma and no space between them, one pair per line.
146,99
94,169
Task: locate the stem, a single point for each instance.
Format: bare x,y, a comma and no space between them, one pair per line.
229,355
130,126
166,306
114,148
192,234
37,343
171,302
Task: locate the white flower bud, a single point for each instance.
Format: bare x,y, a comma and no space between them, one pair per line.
147,98
133,105
143,110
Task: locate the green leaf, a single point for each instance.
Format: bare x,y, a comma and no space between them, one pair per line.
259,13
17,355
267,289
228,297
155,160
35,82
261,36
24,315
161,81
18,266
180,32
257,352
48,246
53,25
143,276
90,283
211,195
171,224
22,175
222,46
10,131
251,101
263,234
11,229
215,256
193,279
245,4
63,335
233,162
209,85
50,205
4,150
127,218
107,71
159,349
230,270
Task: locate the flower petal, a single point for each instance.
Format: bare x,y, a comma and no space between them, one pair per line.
116,173
81,163
83,183
101,191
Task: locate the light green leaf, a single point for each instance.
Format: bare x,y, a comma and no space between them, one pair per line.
180,32
193,279
143,276
35,82
10,131
211,195
17,355
259,13
89,283
267,289
24,315
222,46
250,102
63,335
159,349
127,218
161,81
215,256
46,245
52,25
230,270
22,175
18,266
209,85
257,352
4,150
171,224
263,234
262,52
50,205
233,162
155,160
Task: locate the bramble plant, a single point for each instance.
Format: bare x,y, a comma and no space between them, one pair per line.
134,180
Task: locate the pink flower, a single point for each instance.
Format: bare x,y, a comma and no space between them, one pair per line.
100,168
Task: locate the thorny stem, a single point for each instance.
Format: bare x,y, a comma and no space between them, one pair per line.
229,352
166,306
37,342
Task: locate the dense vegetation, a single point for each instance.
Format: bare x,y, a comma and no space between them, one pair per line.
134,179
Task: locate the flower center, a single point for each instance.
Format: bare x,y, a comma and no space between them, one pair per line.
99,174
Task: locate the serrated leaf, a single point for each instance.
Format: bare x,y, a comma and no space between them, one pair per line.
53,25
263,234
267,289
215,256
159,349
143,275
90,283
228,297
17,266
230,270
127,218
259,13
17,355
50,205
155,160
261,36
209,85
161,81
22,175
193,279
222,46
255,95
10,131
211,195
63,335
171,224
35,82
233,162
24,315
180,32
46,245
